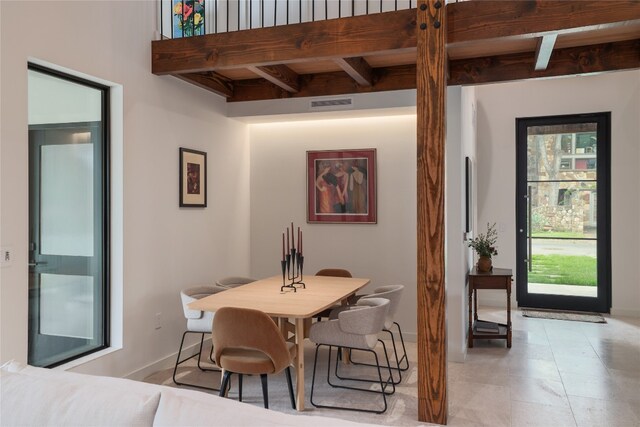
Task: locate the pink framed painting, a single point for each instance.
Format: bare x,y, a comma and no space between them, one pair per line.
341,186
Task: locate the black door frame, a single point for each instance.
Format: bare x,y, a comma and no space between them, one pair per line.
101,139
602,303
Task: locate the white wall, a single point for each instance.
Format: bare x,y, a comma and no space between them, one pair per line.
461,134
384,252
165,248
500,104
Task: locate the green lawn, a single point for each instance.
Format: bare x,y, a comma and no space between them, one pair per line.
564,270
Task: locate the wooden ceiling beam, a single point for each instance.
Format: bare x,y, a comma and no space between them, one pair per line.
568,61
279,75
334,38
210,81
322,84
544,50
479,20
358,69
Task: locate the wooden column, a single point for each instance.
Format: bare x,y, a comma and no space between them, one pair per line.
431,93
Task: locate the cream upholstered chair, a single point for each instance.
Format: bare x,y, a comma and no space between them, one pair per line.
248,342
198,322
393,293
354,329
233,281
331,272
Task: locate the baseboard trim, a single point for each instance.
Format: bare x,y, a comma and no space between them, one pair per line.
628,312
164,363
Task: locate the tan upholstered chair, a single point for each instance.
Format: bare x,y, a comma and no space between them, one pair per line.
355,329
198,322
331,272
248,342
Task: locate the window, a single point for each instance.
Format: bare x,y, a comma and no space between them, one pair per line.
68,217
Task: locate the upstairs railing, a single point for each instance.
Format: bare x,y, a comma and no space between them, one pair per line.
187,18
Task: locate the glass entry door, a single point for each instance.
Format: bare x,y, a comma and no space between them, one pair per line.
563,247
68,218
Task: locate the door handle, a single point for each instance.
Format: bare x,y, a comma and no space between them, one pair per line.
33,264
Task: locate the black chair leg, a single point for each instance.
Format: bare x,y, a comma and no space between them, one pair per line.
399,361
225,382
404,358
265,391
380,381
240,387
290,385
179,362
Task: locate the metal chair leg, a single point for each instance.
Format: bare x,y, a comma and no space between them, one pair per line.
383,385
198,355
290,385
399,361
240,387
389,380
265,391
404,358
225,382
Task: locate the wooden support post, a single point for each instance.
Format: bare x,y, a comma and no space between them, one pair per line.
431,93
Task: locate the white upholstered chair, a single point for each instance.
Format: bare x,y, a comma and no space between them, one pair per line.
198,322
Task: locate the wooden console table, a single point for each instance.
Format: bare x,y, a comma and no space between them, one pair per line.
498,278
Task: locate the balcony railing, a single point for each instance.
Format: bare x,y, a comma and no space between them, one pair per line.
186,18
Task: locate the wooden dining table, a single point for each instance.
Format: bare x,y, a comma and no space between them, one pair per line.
321,292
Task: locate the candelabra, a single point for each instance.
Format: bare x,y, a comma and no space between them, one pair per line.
292,263
292,271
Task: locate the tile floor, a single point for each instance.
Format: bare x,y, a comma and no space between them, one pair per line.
557,373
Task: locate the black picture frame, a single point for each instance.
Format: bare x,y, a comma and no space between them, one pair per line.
468,190
193,178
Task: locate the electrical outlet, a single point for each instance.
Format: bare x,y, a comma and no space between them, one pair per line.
6,256
158,321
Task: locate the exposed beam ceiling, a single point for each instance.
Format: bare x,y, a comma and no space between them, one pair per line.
279,75
487,41
568,61
309,41
358,69
480,20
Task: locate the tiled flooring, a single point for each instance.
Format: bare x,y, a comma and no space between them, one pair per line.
557,373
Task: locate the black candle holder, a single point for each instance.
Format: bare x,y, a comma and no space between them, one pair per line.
292,271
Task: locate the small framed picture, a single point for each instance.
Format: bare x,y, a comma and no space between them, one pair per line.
193,178
341,186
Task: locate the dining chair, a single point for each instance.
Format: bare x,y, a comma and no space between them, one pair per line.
198,322
393,293
248,342
331,272
233,281
354,329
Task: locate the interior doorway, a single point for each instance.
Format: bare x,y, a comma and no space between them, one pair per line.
563,212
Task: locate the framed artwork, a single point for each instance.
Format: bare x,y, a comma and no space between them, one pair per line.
468,188
187,18
341,186
193,178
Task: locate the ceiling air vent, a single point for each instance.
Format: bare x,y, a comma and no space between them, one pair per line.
332,104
